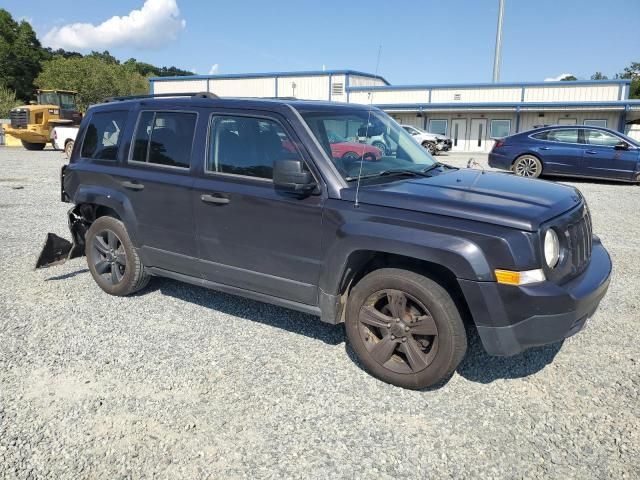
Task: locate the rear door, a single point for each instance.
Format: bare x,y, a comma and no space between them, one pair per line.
560,151
249,235
156,179
602,159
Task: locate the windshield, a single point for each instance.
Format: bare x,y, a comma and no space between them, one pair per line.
66,101
394,148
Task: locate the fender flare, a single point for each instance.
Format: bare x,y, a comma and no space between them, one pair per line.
462,257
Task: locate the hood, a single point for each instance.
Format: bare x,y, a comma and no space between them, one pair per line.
497,198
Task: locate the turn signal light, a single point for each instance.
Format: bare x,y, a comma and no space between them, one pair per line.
509,277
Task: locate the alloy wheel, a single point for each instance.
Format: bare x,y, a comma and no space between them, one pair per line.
527,167
398,331
109,256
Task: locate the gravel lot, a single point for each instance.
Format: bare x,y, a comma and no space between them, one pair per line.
179,381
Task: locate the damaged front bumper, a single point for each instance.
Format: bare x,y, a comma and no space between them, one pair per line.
57,250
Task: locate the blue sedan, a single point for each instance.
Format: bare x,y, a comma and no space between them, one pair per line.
583,151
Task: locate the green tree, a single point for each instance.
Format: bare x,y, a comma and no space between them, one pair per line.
20,55
599,76
632,72
8,100
93,77
569,78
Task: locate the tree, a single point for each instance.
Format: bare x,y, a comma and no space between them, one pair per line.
8,100
632,72
568,78
20,55
93,77
599,76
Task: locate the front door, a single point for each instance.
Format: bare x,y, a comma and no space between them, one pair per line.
459,134
157,182
602,159
478,135
249,235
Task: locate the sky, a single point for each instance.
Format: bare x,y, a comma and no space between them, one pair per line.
423,41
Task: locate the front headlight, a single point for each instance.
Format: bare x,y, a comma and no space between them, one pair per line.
551,248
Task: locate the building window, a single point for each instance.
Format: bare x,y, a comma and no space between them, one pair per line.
596,123
457,96
438,126
500,128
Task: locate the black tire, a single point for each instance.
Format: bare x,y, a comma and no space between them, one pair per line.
351,156
33,146
434,341
528,166
115,273
431,147
380,146
68,148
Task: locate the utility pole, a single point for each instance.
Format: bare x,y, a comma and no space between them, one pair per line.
497,58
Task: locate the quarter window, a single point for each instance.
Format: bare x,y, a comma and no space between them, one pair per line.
598,137
164,138
247,146
102,138
500,128
569,135
438,126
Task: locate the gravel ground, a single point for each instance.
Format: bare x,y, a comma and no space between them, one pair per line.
179,381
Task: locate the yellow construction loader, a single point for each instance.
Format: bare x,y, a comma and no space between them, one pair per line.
32,124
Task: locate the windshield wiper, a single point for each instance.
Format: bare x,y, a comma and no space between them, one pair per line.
384,173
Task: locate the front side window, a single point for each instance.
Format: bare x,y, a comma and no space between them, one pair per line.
102,138
438,126
247,146
164,138
598,137
569,135
373,142
500,128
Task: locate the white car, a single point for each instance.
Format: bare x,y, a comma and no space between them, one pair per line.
63,138
431,141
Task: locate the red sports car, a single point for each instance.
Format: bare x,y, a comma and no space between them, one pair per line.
343,148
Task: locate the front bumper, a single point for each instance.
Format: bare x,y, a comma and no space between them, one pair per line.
511,319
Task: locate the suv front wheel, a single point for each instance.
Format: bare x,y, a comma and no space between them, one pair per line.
113,260
405,328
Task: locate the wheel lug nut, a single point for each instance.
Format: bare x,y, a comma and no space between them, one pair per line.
397,320
404,339
406,329
393,337
388,325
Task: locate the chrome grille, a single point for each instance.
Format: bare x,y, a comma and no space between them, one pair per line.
19,118
579,242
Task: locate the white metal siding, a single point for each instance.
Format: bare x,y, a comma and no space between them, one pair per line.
385,97
308,88
243,87
475,95
529,119
571,93
180,86
360,81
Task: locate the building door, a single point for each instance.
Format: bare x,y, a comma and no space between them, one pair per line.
459,134
478,135
567,121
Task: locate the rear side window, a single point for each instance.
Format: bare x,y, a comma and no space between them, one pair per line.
569,135
164,138
102,138
247,146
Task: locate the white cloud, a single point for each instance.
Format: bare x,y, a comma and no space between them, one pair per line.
214,69
558,78
155,24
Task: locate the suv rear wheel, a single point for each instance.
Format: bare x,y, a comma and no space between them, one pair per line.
113,261
405,328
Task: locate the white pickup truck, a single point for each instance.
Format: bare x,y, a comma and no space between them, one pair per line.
63,138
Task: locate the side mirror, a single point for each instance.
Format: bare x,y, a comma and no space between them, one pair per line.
291,176
621,145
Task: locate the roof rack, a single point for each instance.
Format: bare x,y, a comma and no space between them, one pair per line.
209,95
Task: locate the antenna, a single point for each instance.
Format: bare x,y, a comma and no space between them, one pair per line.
366,132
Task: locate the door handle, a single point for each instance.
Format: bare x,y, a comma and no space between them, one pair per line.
590,152
133,185
545,148
217,200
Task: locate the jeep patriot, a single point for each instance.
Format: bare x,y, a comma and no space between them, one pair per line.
246,196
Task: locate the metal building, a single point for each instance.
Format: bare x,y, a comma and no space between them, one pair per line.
471,114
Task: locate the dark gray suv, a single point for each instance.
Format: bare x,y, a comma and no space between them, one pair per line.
246,196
